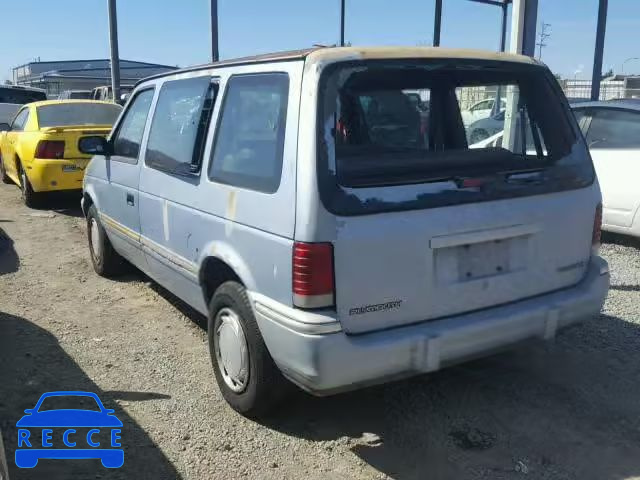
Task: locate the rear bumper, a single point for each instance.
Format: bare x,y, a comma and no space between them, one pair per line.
314,353
49,175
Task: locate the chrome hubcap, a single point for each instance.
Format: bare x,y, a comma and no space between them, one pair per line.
96,247
232,352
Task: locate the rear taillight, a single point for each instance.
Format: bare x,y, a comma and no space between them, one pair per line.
597,228
51,149
313,284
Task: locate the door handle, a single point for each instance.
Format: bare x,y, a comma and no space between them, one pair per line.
130,199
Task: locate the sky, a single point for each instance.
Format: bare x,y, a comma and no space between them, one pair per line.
176,32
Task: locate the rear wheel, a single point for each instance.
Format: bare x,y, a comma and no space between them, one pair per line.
247,376
3,173
106,261
29,197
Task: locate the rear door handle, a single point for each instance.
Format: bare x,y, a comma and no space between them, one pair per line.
130,200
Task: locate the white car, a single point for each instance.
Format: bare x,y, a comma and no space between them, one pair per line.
612,131
480,110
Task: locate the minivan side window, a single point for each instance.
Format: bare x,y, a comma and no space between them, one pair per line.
614,129
128,137
20,121
249,143
179,125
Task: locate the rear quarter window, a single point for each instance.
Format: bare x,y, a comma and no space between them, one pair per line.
614,129
249,141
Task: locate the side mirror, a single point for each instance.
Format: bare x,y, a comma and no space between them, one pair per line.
94,145
5,127
109,411
29,411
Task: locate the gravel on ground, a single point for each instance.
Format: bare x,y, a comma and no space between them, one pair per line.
569,409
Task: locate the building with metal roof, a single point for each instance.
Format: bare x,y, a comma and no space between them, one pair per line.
57,76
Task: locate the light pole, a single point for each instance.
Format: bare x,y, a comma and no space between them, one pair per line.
115,57
628,60
342,14
601,29
215,53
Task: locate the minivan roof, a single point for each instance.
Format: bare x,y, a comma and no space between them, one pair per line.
336,54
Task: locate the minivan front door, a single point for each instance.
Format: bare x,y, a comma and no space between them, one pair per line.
119,195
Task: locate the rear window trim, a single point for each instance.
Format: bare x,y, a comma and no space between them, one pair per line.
330,190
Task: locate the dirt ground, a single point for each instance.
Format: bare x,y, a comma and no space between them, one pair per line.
563,410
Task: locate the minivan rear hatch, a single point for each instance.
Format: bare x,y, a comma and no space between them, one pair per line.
429,225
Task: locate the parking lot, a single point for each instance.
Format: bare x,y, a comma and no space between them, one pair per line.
561,410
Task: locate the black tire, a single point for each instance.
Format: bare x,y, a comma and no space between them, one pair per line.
265,386
3,173
30,198
106,261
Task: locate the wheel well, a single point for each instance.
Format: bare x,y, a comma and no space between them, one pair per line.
215,272
88,201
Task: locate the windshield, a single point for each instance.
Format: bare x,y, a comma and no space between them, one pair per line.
20,96
65,114
373,134
67,402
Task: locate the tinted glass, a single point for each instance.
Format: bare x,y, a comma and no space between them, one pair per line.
17,95
579,114
65,114
379,133
486,105
250,137
371,135
80,95
614,129
392,118
179,124
20,121
129,136
487,125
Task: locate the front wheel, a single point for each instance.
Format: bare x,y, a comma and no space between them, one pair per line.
3,172
106,261
246,374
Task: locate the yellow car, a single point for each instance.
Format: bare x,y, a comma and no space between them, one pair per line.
39,150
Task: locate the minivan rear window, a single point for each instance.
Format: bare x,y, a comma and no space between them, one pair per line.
400,123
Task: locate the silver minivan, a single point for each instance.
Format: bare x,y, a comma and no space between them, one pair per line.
337,232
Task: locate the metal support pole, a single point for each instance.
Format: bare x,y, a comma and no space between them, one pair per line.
115,57
529,31
437,23
342,14
215,53
497,104
599,50
524,16
503,28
